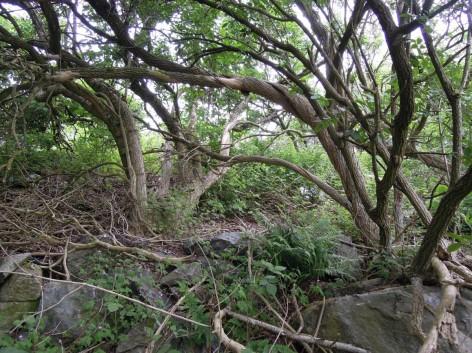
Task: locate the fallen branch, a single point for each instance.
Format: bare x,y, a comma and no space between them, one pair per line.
238,348
116,248
284,322
461,270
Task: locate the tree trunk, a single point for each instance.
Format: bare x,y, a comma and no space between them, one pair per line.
126,136
166,171
398,213
441,219
107,106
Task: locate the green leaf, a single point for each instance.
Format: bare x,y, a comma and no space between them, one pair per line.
324,124
271,289
454,247
113,306
457,237
468,154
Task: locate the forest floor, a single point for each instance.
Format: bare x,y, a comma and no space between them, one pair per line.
35,218
55,217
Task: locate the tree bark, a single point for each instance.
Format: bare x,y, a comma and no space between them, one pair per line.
128,141
441,219
398,213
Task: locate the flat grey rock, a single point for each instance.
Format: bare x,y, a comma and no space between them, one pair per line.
191,273
228,240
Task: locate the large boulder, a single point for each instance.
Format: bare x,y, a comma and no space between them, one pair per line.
20,292
10,312
22,288
381,321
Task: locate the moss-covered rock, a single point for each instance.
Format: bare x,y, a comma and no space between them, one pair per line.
13,311
19,293
10,264
21,288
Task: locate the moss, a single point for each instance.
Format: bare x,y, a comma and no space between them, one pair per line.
13,311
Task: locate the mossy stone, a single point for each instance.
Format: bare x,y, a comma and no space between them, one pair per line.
13,311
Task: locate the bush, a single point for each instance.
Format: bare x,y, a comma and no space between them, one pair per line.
42,154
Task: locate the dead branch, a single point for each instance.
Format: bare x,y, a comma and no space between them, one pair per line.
116,248
237,347
87,216
461,270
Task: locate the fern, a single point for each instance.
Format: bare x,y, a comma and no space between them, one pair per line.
305,250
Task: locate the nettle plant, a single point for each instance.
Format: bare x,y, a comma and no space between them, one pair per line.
31,339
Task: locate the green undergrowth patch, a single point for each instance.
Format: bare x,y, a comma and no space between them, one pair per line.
105,319
270,275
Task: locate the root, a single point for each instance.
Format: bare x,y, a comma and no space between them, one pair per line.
444,323
418,308
461,270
